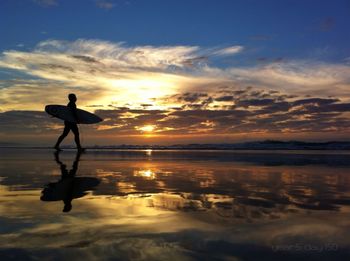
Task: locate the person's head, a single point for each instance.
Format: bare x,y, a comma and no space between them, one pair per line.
72,97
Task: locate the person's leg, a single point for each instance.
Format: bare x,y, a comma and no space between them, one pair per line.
75,130
60,138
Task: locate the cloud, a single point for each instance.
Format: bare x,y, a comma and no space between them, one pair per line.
248,112
178,89
297,77
85,58
118,54
46,3
229,50
26,122
33,94
146,71
113,69
327,24
116,71
105,4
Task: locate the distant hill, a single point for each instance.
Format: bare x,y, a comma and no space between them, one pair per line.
254,145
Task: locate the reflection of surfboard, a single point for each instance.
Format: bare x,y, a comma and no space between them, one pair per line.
63,112
74,187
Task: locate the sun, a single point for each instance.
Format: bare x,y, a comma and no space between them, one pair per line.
147,128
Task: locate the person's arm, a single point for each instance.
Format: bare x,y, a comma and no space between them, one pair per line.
74,111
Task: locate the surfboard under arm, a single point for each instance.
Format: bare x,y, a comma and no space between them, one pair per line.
64,113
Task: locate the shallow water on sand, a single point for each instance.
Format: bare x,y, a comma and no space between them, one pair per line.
174,205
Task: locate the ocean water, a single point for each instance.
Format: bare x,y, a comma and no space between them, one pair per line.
174,205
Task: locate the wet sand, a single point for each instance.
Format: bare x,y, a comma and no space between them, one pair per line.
174,205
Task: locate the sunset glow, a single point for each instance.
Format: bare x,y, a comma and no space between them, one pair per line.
231,85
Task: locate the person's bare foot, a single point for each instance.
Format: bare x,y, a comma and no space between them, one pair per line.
80,149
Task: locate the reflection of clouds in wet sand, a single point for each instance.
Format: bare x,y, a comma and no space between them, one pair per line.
134,227
161,208
233,189
116,226
257,190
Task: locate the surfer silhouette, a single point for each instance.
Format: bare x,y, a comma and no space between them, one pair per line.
71,126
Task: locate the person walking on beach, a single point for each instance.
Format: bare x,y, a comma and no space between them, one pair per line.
71,126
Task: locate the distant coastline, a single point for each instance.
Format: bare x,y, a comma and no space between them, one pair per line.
253,145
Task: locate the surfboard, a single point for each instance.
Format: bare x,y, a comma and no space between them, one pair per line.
64,113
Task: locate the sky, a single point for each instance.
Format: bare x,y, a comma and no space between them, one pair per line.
172,72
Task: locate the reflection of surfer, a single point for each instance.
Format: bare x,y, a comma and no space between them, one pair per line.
69,186
67,181
71,126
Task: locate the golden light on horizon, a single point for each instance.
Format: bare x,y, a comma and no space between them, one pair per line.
139,88
149,152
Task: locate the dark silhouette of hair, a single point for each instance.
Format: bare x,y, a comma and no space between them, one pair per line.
72,97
